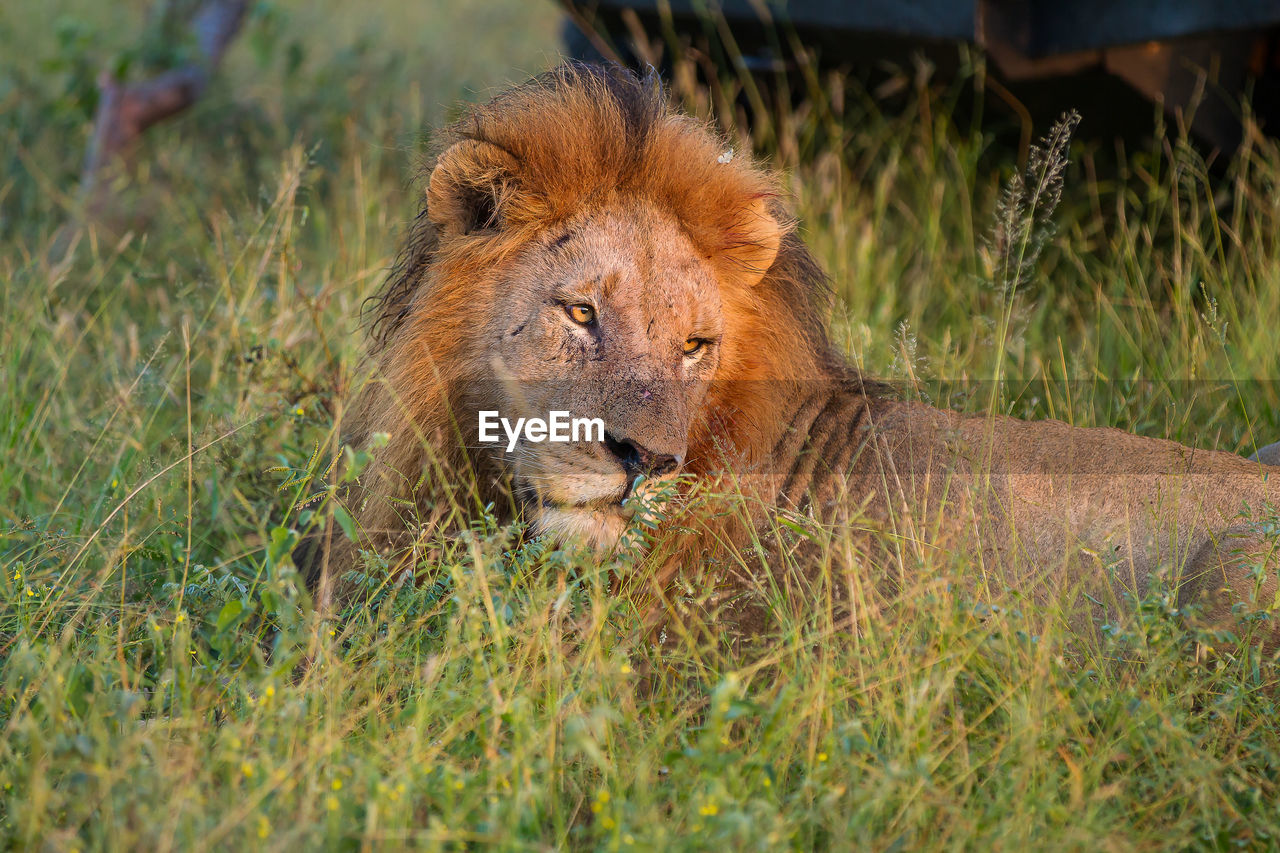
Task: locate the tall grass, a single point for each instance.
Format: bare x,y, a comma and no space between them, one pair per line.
157,380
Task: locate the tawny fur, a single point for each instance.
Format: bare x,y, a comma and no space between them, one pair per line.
584,184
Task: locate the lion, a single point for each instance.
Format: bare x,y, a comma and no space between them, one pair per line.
585,247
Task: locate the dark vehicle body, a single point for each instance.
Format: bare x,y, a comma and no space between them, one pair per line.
1196,56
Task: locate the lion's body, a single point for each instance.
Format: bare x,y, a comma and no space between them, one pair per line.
1047,507
584,247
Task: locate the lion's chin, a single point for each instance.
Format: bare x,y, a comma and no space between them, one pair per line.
597,529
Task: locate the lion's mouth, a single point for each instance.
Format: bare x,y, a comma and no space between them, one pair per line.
598,525
615,501
597,520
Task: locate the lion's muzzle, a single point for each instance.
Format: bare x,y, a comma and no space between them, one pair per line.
637,460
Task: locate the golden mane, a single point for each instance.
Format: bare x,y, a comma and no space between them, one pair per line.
571,140
583,133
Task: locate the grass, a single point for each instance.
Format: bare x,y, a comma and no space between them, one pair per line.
164,384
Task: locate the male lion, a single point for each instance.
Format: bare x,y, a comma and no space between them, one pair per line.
585,248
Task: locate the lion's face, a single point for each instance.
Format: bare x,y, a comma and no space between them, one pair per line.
583,250
613,315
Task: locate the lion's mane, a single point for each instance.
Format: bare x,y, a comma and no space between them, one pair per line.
580,136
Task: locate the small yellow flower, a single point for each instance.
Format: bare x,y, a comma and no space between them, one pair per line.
180,618
457,786
115,484
247,769
768,783
625,670
270,691
709,810
822,756
331,803
264,828
603,796
596,808
628,839
299,411
608,823
17,574
30,592
337,784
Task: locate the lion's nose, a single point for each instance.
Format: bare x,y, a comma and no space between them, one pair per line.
636,459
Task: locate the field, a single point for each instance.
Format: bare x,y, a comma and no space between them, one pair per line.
170,378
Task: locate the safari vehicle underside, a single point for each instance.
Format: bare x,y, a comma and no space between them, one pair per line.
1199,59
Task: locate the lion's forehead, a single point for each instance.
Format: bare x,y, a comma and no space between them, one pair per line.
632,256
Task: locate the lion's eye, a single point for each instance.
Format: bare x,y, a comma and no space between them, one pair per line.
693,345
583,315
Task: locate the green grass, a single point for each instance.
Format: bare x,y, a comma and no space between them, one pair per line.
154,383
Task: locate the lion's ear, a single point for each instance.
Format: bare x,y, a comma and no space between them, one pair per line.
751,243
467,187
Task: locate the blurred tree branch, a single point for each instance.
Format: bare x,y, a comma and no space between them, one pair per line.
126,110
